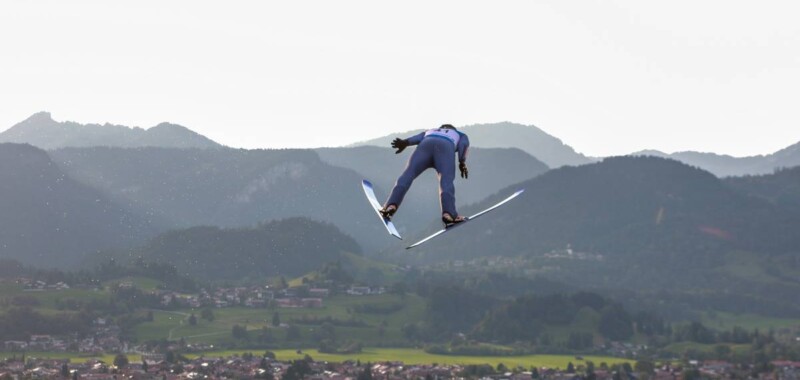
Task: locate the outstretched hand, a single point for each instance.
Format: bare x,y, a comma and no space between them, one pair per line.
399,144
462,167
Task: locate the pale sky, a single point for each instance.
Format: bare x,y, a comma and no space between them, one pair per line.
607,77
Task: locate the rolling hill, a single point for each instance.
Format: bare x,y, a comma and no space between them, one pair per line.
235,187
644,222
50,220
288,247
226,187
781,187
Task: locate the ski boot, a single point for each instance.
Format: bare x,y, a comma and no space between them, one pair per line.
448,219
388,211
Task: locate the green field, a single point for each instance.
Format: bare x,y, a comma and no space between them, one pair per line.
417,356
363,269
724,321
408,356
72,356
48,300
381,328
143,283
173,325
683,347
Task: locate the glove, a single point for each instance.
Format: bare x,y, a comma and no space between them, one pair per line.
399,144
462,167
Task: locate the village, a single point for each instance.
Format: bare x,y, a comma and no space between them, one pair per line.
249,366
105,338
261,296
105,335
301,296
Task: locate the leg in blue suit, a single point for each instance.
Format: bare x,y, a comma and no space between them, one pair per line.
430,153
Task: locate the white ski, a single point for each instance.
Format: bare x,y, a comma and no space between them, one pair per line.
450,227
373,201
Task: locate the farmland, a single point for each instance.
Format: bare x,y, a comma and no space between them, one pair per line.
370,328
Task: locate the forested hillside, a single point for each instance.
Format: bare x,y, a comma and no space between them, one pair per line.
50,220
289,247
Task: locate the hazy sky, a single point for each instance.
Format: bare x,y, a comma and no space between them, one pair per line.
607,77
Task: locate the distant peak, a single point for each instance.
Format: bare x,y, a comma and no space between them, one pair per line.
649,152
168,125
39,117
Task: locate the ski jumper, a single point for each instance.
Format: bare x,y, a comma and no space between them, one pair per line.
436,148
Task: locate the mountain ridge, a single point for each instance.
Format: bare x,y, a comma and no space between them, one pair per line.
648,214
528,138
723,165
42,131
235,187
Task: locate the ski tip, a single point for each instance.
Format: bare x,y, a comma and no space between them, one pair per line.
366,182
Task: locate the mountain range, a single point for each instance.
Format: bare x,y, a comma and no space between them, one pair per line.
641,223
235,188
630,206
634,222
42,131
225,187
528,138
175,180
728,166
490,170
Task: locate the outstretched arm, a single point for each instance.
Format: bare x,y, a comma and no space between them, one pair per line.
416,139
401,144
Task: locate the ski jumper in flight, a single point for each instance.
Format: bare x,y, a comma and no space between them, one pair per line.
436,149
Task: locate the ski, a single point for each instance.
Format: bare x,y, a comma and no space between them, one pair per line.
373,201
451,226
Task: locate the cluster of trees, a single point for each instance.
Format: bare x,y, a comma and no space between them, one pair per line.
316,320
453,310
780,187
19,323
289,247
587,369
495,284
378,308
699,333
526,320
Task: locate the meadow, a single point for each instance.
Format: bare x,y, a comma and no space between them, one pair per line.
376,328
373,355
724,321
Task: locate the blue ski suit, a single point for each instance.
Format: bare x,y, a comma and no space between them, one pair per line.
436,148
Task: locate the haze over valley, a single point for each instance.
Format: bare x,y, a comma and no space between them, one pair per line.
594,249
